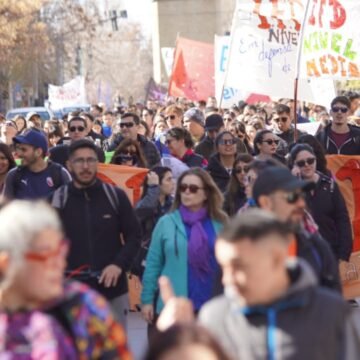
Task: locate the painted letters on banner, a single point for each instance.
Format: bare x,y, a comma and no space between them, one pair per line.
71,93
193,70
263,52
331,40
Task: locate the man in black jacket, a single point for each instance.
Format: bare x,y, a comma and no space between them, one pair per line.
102,228
339,137
129,125
278,191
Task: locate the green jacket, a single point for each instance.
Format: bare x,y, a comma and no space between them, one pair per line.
168,256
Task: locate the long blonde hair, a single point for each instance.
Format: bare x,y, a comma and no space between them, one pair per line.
214,198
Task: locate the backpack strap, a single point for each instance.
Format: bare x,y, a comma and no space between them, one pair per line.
60,197
55,173
112,196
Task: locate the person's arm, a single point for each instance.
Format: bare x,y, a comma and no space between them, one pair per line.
131,231
100,154
9,189
342,221
151,199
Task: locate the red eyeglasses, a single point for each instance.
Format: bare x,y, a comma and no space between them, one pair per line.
44,256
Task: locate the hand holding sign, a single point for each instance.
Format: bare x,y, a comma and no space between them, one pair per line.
176,310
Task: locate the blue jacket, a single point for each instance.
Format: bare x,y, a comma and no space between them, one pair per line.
168,256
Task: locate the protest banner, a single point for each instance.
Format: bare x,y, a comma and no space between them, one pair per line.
130,180
69,94
346,170
155,91
263,51
331,40
193,70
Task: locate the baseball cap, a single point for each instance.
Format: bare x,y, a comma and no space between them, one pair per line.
196,115
278,178
34,138
214,122
30,114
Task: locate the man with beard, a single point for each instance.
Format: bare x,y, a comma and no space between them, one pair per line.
36,177
278,191
101,225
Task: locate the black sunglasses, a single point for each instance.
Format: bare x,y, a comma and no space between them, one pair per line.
294,197
192,188
171,117
337,109
270,142
282,119
126,124
227,142
308,161
240,170
76,128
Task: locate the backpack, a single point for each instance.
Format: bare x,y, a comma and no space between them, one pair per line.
61,195
55,174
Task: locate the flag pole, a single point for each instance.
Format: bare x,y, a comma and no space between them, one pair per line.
298,64
230,47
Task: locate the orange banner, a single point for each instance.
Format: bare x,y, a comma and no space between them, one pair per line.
127,178
193,70
346,170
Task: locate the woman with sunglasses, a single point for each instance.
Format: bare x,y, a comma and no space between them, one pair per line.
129,153
265,145
325,202
182,244
235,196
221,163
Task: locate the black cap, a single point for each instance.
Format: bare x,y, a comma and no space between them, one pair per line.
214,122
278,178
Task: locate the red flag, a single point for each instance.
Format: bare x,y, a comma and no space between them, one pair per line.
193,71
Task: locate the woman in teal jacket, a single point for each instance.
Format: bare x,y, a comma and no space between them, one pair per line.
182,245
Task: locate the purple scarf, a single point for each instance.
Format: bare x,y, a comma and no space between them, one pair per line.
198,246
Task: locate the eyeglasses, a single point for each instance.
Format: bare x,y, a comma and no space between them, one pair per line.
126,124
76,128
337,109
227,142
171,117
293,197
240,170
44,256
91,161
308,161
192,188
270,142
282,119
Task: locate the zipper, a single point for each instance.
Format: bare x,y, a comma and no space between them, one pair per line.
87,224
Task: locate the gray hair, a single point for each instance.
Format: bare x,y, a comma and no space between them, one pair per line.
20,222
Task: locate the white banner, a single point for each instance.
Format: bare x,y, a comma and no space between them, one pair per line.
167,54
263,53
331,40
231,95
69,94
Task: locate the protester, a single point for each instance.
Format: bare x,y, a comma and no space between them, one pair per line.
97,256
278,191
187,342
36,177
325,202
214,124
33,120
174,116
129,153
107,123
265,145
7,163
235,196
238,129
339,137
99,139
221,163
180,144
129,124
40,316
144,130
8,131
194,122
20,124
182,245
77,127
55,134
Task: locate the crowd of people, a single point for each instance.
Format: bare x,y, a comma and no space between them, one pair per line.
237,237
